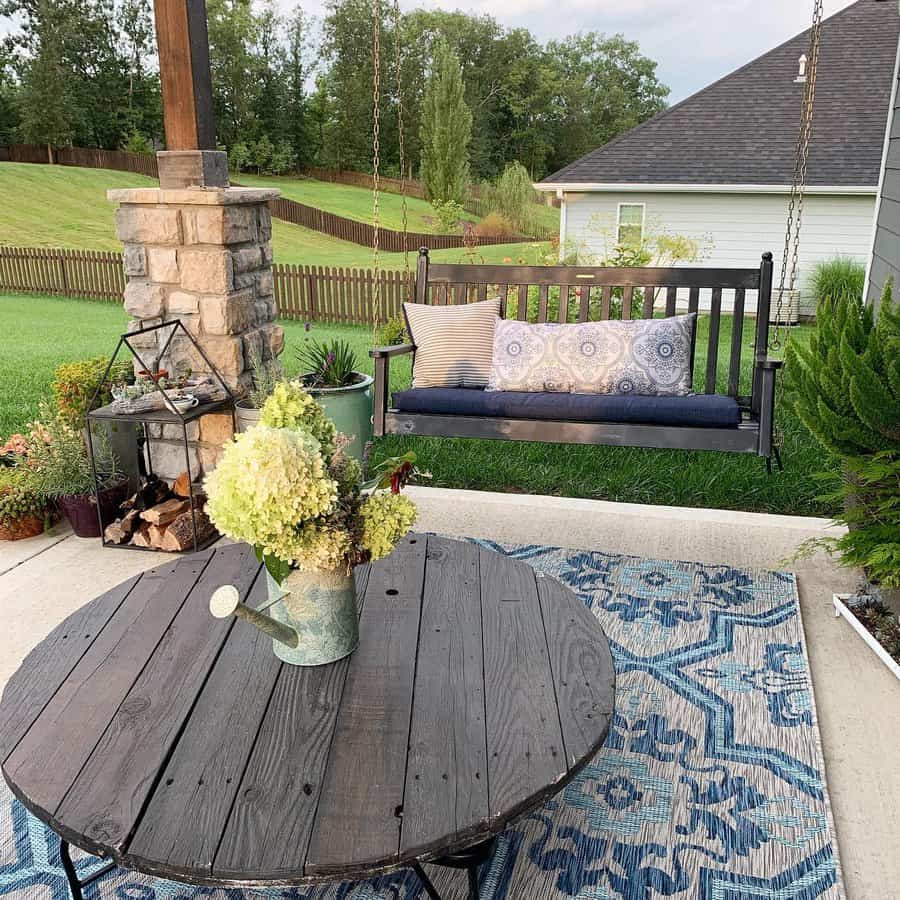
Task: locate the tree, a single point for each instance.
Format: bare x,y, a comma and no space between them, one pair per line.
294,72
138,45
446,130
604,87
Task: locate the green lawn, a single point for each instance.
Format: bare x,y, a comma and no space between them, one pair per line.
61,206
40,332
349,201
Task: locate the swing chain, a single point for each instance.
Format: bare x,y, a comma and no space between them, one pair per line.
376,125
400,138
788,278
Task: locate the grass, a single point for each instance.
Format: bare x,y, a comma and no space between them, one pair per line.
41,332
60,206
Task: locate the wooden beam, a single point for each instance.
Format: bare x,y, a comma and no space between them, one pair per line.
183,42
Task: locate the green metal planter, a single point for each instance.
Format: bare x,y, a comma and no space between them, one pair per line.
350,408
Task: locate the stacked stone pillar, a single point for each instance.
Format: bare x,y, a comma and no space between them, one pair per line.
204,256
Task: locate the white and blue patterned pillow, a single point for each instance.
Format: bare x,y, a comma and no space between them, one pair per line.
640,356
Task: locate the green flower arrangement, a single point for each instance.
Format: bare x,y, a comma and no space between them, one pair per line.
290,406
288,488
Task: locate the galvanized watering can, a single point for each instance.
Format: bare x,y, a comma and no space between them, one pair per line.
313,618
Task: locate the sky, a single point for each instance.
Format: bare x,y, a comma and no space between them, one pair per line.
694,42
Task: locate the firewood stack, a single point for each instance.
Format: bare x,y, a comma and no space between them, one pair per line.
159,517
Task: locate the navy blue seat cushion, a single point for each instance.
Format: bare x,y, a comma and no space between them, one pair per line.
701,410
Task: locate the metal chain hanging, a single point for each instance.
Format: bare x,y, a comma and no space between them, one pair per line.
400,139
791,255
376,98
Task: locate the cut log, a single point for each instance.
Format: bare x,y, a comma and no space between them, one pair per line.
165,512
141,537
182,486
157,537
179,535
119,531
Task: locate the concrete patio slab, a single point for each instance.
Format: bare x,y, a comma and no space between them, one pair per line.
45,579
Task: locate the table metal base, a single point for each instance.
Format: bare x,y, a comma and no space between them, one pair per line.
469,859
75,883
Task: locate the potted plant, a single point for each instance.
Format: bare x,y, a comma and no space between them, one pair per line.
61,472
23,512
330,372
290,489
264,375
75,386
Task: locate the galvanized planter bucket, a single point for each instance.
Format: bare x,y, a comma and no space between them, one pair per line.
321,607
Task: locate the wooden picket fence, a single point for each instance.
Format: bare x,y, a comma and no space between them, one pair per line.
307,293
83,157
326,294
93,274
364,234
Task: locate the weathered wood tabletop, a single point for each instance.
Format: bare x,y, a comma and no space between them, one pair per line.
178,745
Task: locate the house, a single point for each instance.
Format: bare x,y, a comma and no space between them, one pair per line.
717,167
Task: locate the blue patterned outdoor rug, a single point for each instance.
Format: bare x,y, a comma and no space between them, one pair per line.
710,786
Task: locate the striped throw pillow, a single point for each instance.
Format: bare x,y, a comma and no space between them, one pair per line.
454,344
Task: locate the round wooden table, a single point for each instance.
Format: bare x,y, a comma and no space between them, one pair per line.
171,743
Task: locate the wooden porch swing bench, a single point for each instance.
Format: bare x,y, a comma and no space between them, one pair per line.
706,420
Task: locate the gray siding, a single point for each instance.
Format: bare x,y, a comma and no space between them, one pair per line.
886,249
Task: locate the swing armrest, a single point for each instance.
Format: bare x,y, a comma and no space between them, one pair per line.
393,350
382,357
771,365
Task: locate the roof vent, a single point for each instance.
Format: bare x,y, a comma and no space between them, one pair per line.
801,75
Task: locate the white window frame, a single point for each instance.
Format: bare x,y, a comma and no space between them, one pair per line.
643,207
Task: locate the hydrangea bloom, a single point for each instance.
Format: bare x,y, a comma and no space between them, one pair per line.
291,406
386,518
267,485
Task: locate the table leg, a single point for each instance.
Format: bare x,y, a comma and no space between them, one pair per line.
469,859
75,883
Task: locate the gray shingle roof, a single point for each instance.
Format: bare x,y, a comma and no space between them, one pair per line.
743,128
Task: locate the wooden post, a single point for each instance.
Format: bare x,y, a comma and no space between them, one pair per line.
183,41
191,159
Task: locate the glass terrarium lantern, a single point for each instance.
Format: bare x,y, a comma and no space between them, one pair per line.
160,405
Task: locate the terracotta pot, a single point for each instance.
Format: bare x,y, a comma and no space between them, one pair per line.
21,528
81,509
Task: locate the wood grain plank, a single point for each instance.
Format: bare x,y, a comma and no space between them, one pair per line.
268,829
525,742
42,766
446,794
108,797
583,673
358,816
47,666
186,816
737,337
712,349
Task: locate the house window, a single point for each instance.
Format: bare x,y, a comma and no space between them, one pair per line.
630,224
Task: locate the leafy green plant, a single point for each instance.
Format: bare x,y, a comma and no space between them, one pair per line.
836,278
448,214
75,383
58,461
329,364
264,375
17,498
512,196
845,387
393,332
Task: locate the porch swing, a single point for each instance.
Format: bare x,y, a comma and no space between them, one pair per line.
733,421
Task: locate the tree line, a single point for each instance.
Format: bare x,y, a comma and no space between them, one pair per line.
290,91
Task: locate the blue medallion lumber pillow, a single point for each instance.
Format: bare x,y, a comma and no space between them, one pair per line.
639,356
453,343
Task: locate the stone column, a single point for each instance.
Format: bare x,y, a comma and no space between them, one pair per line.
203,256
